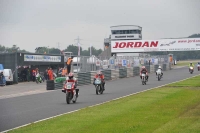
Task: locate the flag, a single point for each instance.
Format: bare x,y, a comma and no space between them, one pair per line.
79,49
90,50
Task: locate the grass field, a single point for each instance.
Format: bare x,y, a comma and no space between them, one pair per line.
170,109
186,63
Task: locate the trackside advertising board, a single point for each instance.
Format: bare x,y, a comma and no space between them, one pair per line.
42,58
186,44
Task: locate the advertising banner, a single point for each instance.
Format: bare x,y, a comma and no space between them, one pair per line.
98,62
186,44
42,58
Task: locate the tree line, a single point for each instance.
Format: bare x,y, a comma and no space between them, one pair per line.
46,50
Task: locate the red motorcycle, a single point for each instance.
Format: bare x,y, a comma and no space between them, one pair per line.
71,92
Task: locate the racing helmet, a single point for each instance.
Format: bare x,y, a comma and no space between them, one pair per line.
143,67
159,67
71,75
99,73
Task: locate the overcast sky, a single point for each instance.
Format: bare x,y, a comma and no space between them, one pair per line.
33,23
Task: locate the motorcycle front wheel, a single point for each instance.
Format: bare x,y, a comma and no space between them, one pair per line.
68,97
97,89
158,77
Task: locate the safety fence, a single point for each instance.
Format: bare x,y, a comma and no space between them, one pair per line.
94,63
85,78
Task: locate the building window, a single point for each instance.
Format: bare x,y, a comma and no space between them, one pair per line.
126,32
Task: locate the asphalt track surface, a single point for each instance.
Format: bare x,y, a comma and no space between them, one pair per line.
22,110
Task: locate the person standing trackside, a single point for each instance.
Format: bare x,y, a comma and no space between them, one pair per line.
68,63
50,73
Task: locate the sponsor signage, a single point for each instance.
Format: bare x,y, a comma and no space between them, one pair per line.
126,36
42,58
124,62
187,44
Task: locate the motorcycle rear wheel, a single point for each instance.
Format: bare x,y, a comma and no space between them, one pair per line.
74,101
101,89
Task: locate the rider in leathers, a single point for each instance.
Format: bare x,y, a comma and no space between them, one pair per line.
100,75
191,65
72,78
160,70
144,70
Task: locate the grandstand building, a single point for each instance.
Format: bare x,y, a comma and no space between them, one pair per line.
121,32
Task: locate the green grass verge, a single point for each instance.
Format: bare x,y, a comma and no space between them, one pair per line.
186,63
170,109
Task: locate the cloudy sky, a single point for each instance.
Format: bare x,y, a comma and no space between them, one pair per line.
33,23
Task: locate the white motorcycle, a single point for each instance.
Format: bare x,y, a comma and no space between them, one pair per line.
191,69
143,79
159,74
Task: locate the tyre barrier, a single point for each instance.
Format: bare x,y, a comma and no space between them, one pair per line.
155,68
107,74
164,67
122,72
148,68
50,85
58,85
84,78
136,71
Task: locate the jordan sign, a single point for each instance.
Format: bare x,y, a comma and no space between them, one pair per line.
187,44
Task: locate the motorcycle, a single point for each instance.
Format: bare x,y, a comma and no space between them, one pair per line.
38,78
191,69
71,92
159,74
98,86
143,79
198,67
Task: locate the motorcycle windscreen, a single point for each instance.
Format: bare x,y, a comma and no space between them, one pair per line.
97,81
143,74
69,85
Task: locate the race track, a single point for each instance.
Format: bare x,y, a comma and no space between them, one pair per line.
21,110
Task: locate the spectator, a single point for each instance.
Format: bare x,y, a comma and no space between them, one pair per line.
60,72
46,76
68,63
2,79
33,75
50,73
64,72
28,74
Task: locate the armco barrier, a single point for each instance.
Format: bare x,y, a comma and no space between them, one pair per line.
122,72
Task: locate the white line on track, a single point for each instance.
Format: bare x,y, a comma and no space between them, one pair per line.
96,104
